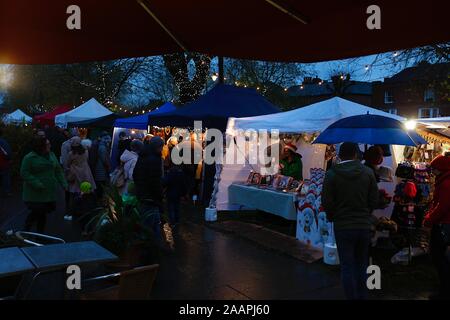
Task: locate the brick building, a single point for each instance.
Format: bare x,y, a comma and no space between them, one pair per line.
422,91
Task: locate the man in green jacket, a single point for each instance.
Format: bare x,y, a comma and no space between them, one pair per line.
291,165
350,194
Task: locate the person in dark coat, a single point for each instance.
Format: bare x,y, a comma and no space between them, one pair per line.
175,182
147,177
349,196
103,164
438,218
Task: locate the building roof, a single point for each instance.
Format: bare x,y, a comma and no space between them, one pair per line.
327,89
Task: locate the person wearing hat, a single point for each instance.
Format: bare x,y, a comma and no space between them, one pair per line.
77,170
291,165
438,219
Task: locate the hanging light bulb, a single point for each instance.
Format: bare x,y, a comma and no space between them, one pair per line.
366,67
285,89
214,77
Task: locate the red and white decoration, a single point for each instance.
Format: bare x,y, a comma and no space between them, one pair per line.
313,228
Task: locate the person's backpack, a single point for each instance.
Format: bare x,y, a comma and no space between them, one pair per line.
4,159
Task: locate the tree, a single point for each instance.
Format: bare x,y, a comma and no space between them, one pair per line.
152,81
190,73
269,78
262,73
34,86
108,81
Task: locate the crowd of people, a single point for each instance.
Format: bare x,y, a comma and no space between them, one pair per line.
59,158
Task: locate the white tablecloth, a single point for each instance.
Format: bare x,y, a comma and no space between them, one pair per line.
275,202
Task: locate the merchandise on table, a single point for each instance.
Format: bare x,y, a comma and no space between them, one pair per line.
412,199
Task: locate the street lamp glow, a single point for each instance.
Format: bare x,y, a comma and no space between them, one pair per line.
410,125
5,78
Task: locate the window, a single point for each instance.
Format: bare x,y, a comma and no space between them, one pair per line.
428,112
392,110
428,95
388,97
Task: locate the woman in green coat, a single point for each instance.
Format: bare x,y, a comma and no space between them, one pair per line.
41,173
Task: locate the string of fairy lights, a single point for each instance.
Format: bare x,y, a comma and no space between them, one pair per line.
367,68
238,83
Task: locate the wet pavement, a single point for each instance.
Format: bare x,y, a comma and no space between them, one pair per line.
207,264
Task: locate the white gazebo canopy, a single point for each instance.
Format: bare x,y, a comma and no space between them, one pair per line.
310,119
17,117
89,110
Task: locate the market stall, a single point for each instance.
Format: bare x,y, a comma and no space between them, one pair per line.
48,118
89,110
413,192
17,117
300,127
236,190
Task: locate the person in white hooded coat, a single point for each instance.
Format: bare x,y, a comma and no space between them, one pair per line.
129,159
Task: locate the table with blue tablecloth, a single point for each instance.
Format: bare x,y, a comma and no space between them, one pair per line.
273,201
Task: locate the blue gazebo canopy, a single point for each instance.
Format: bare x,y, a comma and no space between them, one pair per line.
142,121
216,106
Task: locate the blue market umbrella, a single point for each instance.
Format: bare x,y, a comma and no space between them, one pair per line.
369,129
